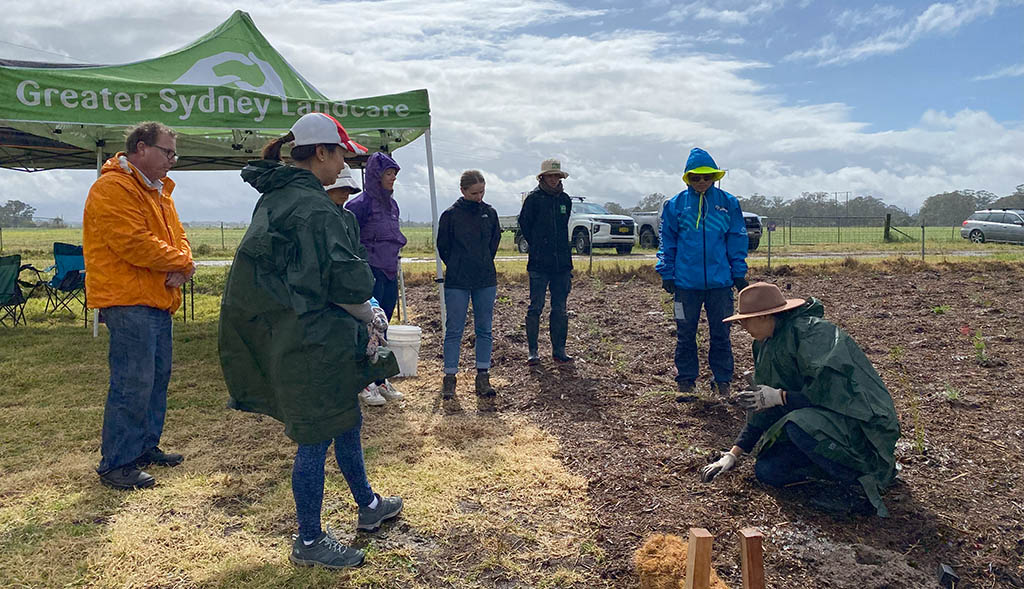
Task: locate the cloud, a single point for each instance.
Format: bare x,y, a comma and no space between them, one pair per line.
726,12
1012,71
936,19
869,17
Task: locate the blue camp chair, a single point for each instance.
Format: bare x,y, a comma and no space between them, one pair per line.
67,286
12,300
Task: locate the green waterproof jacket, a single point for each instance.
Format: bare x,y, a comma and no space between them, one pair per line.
852,415
286,349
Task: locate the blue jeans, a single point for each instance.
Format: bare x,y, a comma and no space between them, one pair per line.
308,478
794,460
718,304
385,290
140,368
456,302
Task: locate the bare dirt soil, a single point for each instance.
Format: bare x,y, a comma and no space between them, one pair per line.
948,340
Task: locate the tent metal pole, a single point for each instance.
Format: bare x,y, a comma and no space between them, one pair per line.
99,168
433,215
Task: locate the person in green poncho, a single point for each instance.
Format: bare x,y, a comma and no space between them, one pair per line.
817,408
296,327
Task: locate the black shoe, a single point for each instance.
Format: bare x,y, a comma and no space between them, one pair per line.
723,389
158,457
685,389
533,359
563,358
127,477
483,384
448,387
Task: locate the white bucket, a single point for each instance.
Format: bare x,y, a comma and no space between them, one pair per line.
404,341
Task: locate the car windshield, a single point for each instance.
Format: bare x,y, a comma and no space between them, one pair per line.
589,208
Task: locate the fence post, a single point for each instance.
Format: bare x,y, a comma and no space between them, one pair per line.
222,235
770,249
888,223
839,235
1,239
922,242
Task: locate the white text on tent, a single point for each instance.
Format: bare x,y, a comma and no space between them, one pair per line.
29,94
343,109
208,103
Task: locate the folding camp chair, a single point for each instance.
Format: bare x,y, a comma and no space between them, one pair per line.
12,300
67,286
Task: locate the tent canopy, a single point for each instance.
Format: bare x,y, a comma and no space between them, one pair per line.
225,95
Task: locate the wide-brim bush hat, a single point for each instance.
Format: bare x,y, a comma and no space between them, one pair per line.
552,166
345,180
763,298
701,162
317,128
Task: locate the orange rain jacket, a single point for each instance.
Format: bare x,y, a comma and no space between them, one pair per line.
132,238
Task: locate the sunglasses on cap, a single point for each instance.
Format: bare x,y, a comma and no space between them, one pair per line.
701,177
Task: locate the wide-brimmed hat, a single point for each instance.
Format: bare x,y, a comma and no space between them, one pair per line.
345,180
762,298
317,128
703,170
551,166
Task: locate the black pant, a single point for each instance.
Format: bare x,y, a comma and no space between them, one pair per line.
559,283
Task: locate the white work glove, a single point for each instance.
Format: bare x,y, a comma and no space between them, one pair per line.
761,398
377,328
723,464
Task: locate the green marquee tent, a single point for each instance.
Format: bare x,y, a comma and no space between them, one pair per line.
225,95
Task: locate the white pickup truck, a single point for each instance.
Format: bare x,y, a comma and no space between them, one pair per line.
648,228
590,225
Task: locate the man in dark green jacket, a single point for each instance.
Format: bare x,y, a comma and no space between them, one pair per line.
544,223
818,408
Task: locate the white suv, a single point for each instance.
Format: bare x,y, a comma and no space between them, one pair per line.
591,225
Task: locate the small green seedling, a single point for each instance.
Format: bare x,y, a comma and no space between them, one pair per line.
940,309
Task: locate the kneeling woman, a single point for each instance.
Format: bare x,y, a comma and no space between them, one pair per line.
296,324
819,409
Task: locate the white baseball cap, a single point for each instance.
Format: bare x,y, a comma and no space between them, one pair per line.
316,128
345,180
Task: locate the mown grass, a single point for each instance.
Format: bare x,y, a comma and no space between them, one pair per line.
485,488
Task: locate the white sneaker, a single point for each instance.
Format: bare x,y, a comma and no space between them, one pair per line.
371,396
390,392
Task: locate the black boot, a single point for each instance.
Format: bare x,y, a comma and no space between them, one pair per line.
532,333
559,332
448,386
483,384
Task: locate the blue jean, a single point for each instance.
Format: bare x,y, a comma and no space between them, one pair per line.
140,368
456,302
308,478
385,290
794,460
718,304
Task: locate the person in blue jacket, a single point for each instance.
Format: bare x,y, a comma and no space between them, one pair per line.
701,257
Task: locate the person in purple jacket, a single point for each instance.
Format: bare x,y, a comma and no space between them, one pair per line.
377,213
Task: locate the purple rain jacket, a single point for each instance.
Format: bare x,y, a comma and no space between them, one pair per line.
377,213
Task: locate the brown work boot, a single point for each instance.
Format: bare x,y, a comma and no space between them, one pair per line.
483,384
448,387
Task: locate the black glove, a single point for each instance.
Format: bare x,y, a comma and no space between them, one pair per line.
668,286
740,283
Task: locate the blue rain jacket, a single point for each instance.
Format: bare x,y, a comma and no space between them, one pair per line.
703,237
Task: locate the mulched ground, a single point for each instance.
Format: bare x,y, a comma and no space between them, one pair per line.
947,340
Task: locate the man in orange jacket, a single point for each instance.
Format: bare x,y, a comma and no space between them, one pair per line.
136,259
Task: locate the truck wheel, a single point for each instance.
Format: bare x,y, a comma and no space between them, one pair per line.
582,242
753,243
522,246
624,249
648,240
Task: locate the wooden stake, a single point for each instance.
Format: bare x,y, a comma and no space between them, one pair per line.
752,558
698,559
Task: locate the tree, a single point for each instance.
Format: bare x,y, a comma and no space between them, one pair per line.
1012,201
16,214
651,202
615,208
951,208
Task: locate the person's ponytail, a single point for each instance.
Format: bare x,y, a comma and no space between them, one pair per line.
272,150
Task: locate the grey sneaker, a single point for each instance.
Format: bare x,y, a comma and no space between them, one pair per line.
327,552
387,508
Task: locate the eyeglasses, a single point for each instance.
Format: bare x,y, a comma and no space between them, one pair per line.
701,177
170,153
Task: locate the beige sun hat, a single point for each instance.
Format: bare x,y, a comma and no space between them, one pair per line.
551,166
762,298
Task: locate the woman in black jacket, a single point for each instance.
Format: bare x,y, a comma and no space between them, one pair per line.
467,240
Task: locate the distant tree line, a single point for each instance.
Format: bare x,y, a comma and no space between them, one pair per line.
948,208
15,213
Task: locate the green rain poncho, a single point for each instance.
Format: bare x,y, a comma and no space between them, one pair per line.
852,417
286,349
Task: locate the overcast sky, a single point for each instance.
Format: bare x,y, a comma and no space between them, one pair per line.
897,100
